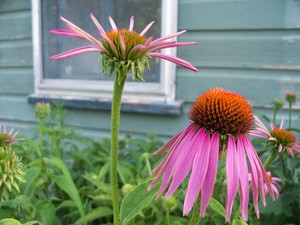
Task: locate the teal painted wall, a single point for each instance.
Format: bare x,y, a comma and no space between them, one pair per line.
251,47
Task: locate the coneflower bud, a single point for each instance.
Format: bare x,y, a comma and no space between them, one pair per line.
127,188
278,103
170,203
42,110
291,96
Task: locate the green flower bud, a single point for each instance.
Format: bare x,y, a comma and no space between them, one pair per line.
127,188
278,103
170,203
146,155
42,110
291,96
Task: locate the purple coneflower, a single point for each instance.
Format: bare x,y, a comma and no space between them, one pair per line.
220,122
284,139
7,138
123,49
274,184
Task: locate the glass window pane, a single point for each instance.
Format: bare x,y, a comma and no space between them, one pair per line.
88,66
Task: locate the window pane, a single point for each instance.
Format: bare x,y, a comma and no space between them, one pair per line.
88,66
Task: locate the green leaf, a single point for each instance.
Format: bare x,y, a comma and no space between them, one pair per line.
136,200
217,207
239,222
94,214
32,223
9,221
47,213
65,182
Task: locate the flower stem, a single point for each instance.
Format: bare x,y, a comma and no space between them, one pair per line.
274,116
2,188
269,160
196,212
115,122
290,114
44,170
168,217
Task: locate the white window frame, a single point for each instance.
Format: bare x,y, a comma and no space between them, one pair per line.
136,91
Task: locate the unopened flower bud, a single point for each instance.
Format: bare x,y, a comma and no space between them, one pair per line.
170,203
278,103
146,155
42,110
291,96
127,188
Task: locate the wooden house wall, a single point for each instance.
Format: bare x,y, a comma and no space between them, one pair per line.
251,47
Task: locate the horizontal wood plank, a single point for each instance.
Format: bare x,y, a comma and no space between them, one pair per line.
238,14
16,81
256,50
260,87
16,53
15,25
14,5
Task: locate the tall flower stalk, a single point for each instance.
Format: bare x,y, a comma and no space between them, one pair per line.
42,111
122,51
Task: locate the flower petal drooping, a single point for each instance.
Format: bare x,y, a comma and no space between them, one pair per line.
281,138
219,118
122,50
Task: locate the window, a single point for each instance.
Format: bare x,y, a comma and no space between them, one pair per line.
79,77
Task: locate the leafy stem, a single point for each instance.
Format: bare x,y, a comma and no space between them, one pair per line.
44,170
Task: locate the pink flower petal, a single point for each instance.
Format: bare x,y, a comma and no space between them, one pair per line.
131,23
81,32
231,175
210,178
167,146
98,25
176,60
199,170
66,32
146,29
243,177
289,150
75,51
161,39
174,160
186,161
113,24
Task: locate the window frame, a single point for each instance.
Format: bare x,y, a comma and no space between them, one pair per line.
136,91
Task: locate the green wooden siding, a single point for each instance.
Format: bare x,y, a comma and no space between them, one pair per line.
252,47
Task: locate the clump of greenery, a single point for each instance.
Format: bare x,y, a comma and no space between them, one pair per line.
68,182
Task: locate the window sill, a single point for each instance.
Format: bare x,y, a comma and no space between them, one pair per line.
144,107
